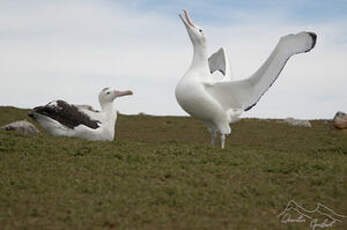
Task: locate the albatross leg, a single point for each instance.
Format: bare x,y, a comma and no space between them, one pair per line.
213,136
222,140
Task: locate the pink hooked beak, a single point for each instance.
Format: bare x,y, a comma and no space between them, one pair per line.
123,93
188,22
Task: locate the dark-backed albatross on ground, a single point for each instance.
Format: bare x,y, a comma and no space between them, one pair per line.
60,118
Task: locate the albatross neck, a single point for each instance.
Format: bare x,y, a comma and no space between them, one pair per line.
200,59
109,109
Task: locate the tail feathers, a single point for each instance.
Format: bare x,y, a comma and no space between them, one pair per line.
225,129
39,117
234,115
32,115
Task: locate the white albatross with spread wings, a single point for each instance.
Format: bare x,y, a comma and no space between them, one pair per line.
60,118
219,103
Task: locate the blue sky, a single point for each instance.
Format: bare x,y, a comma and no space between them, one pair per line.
298,10
72,49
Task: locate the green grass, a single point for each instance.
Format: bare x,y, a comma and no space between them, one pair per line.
160,173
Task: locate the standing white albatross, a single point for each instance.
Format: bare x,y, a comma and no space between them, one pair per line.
60,118
218,103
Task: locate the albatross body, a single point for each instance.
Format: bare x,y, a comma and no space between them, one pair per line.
60,118
217,103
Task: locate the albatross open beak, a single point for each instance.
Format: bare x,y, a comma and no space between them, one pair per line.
189,22
123,93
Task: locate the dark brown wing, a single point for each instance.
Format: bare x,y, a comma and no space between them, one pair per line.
66,114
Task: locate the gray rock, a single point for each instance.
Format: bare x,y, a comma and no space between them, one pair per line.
23,127
340,120
297,122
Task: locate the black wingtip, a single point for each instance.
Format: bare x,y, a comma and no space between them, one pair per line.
314,39
249,107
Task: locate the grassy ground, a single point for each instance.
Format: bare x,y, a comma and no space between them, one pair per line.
160,173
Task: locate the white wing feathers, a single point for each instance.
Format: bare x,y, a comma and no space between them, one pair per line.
219,61
90,111
244,94
86,107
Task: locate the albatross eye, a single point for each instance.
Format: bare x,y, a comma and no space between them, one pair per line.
108,93
200,30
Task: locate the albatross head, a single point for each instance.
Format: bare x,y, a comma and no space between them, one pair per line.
196,34
107,95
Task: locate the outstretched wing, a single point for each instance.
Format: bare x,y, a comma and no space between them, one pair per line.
67,114
244,94
219,61
232,94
